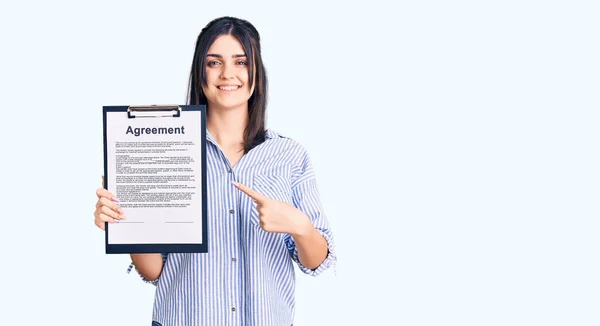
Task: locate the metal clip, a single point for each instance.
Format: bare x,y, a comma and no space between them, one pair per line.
153,111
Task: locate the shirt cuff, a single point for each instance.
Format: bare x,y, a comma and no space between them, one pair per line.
329,261
132,266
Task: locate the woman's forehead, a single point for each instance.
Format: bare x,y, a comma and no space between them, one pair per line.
226,45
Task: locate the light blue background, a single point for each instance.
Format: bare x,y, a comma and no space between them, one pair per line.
455,144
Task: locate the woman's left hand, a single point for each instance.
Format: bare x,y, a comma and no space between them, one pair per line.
275,215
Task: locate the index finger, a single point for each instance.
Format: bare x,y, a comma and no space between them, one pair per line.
251,193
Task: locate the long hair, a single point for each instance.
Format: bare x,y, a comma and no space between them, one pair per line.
248,36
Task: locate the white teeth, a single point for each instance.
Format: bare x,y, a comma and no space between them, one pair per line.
228,88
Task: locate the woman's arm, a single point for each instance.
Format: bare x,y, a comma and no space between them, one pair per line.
148,265
311,245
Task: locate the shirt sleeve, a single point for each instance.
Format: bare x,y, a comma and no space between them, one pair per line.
305,195
153,282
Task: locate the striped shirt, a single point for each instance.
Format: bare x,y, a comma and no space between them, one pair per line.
247,276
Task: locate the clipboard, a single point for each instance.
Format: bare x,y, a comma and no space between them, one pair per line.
153,114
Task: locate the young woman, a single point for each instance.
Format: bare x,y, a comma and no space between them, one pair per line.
264,209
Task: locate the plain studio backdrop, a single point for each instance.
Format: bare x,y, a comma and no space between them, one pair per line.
455,146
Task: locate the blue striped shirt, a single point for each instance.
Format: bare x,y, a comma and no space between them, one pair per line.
247,276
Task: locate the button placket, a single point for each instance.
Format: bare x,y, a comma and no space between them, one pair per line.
234,267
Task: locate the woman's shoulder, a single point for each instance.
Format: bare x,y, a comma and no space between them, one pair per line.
283,139
289,146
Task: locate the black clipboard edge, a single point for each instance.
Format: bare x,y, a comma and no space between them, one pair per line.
141,248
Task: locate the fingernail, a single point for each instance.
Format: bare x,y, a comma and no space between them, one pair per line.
234,183
122,216
115,199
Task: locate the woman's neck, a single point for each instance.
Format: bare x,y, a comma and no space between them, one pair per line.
227,126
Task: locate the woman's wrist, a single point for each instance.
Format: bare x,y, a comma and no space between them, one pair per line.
302,225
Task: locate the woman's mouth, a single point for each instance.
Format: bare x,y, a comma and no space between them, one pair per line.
228,87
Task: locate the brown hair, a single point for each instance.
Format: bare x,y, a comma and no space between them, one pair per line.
248,36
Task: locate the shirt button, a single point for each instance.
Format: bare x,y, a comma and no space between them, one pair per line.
233,309
233,259
229,170
231,211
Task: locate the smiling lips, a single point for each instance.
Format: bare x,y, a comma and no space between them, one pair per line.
228,87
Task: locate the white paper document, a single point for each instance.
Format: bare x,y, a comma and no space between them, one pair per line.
154,167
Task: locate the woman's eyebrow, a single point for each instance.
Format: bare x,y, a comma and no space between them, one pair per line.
221,57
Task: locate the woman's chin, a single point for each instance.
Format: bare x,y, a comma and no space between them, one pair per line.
230,105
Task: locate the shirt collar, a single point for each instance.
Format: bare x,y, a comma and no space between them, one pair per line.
269,134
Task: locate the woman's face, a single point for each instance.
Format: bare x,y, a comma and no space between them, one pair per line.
227,75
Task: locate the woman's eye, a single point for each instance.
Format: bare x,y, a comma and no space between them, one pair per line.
213,63
242,63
